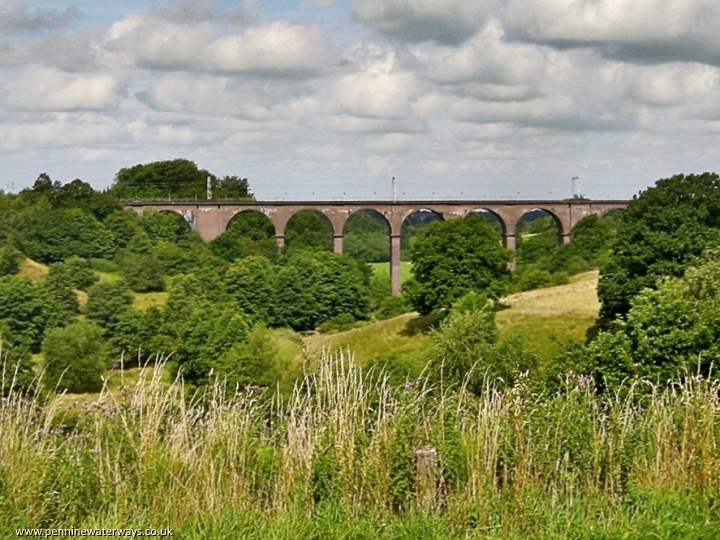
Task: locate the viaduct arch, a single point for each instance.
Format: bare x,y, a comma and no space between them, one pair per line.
211,218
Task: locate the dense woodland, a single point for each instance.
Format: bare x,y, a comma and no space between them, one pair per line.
223,301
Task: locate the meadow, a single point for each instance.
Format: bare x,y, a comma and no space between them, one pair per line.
346,456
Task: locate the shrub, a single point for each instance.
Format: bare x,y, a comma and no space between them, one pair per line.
534,278
16,368
76,358
252,362
338,323
392,306
10,259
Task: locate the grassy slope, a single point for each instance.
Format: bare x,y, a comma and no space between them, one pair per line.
545,319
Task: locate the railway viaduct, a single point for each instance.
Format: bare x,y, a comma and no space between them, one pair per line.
211,218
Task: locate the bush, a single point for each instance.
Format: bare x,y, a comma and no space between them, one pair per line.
16,368
76,358
253,362
313,287
392,306
534,278
10,259
138,336
339,323
210,332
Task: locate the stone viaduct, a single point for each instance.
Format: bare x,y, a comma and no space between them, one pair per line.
211,218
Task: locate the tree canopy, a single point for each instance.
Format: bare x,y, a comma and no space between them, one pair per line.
664,229
451,258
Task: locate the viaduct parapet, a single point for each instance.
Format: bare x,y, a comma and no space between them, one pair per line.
211,218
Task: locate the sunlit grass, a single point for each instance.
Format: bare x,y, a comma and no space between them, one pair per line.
33,270
382,271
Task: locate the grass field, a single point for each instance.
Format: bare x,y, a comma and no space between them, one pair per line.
382,270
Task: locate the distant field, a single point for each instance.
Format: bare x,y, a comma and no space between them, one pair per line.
382,270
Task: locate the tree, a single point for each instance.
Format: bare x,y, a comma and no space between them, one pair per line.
251,283
309,230
313,287
10,259
451,258
106,301
138,335
167,226
53,235
177,178
255,361
75,357
75,272
143,273
663,230
210,331
24,311
249,233
124,225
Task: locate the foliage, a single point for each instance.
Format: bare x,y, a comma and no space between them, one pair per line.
143,273
10,259
140,335
250,282
391,306
16,367
255,361
453,257
248,233
367,238
75,357
167,226
313,287
308,230
60,291
535,239
49,236
663,230
106,302
25,311
76,272
178,179
209,333
124,226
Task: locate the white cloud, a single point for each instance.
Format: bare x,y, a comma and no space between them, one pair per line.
444,21
15,16
49,89
640,30
275,49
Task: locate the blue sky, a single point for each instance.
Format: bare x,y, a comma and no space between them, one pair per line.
329,99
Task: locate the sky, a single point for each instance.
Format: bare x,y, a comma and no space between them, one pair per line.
323,99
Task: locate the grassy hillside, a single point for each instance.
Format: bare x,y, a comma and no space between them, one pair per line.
382,270
546,319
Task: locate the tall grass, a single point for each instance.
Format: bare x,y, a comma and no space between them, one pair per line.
344,446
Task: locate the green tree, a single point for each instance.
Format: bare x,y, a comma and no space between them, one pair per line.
106,302
451,258
24,311
16,368
124,225
251,283
210,331
309,230
143,273
75,272
249,233
662,231
139,336
75,357
255,361
49,236
167,226
10,259
313,287
177,178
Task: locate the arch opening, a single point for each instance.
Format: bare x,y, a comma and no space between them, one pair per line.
367,236
248,233
309,229
413,225
168,225
537,233
491,217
